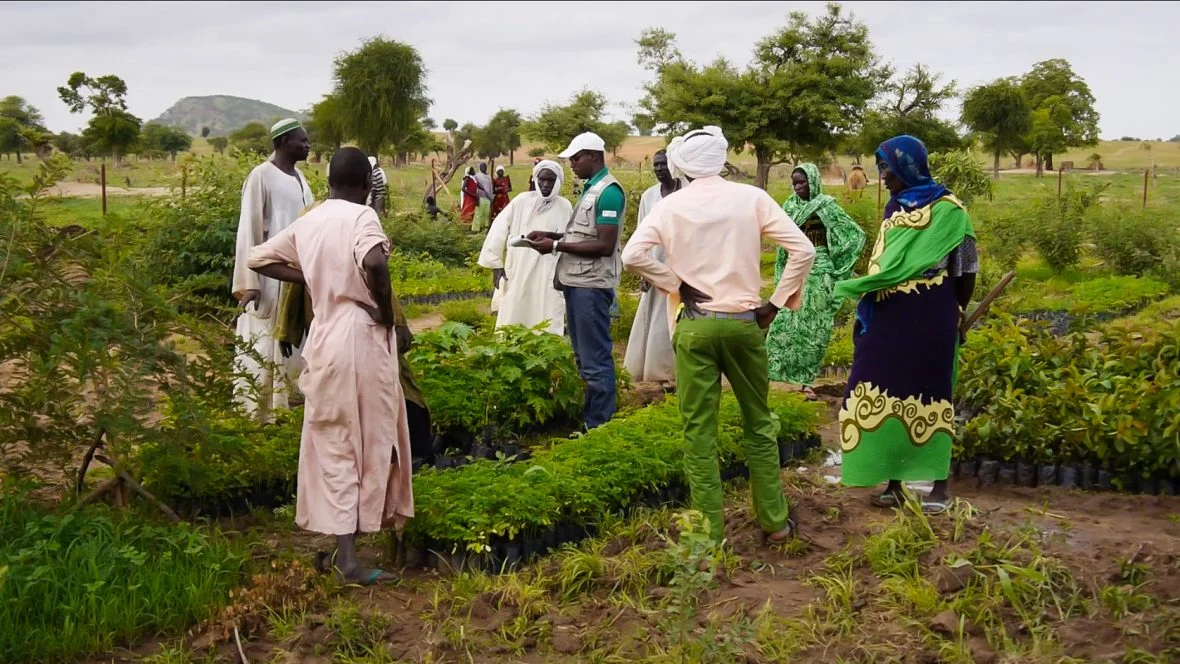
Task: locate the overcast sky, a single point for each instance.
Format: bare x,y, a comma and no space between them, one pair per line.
490,55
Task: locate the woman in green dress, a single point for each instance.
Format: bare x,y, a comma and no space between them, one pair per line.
797,340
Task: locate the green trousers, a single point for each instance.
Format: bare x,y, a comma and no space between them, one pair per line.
706,349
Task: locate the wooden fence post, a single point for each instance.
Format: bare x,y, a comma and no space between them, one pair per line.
1146,173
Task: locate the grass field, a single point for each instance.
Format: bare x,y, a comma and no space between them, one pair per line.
634,153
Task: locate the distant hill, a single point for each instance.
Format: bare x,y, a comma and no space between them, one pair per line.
222,114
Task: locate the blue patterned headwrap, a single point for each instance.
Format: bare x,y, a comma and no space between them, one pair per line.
906,157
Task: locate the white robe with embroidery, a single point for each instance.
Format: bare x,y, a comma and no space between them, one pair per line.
527,296
649,355
271,201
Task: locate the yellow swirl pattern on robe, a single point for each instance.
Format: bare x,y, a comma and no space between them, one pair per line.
868,407
912,285
917,219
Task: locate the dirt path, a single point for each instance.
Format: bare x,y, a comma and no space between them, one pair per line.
91,190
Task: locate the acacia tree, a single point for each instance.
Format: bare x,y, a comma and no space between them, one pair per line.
808,85
219,144
998,111
555,126
1052,85
381,88
112,130
909,105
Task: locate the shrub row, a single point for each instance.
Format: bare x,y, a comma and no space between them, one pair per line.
1105,400
488,506
417,276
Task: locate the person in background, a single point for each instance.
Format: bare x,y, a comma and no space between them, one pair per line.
649,355
272,196
354,453
484,189
502,186
469,196
897,421
525,277
711,233
797,341
532,185
380,188
588,269
433,209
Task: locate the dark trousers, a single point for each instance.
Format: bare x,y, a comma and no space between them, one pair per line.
421,440
587,315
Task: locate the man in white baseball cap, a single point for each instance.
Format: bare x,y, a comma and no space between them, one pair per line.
588,269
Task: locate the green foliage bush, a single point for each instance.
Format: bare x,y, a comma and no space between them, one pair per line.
1138,242
1109,397
959,171
82,583
422,275
578,480
620,328
1056,226
1103,295
513,378
415,234
473,314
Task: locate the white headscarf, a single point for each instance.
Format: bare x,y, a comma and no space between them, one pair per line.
545,202
499,170
698,154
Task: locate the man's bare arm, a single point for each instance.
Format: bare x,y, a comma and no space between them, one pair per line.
376,267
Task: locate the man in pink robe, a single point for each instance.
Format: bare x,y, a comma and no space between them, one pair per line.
354,457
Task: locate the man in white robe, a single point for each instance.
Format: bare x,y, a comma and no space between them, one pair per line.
649,357
524,278
272,197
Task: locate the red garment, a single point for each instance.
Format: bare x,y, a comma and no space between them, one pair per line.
470,198
500,188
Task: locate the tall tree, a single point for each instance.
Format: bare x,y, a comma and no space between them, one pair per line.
998,111
909,104
644,123
808,85
450,125
112,130
167,140
1045,135
205,132
381,88
501,135
325,126
219,144
1054,83
254,137
20,125
556,125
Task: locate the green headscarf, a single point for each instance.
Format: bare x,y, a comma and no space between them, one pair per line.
911,243
844,235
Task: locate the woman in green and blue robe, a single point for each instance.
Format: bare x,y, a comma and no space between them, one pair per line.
897,420
797,340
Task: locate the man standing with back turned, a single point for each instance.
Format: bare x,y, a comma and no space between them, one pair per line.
588,269
711,232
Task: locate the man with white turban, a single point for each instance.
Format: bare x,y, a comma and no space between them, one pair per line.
711,233
272,197
523,277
